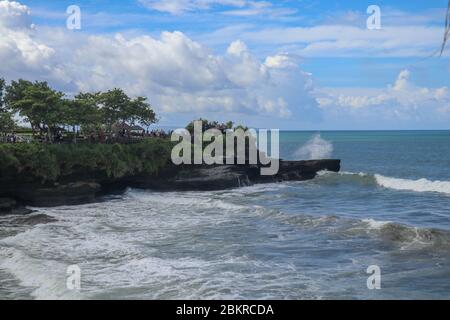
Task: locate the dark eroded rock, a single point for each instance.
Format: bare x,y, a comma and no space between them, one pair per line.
57,195
221,177
34,219
172,178
10,206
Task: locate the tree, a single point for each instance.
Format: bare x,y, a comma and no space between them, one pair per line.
7,123
47,109
2,90
117,106
210,125
39,104
113,104
83,112
16,92
138,110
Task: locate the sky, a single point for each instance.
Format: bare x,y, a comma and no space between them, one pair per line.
288,64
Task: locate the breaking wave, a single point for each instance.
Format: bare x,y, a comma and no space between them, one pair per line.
420,185
405,237
409,237
190,245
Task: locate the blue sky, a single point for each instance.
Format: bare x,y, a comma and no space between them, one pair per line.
290,64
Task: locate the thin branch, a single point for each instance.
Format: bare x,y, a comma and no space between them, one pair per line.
447,29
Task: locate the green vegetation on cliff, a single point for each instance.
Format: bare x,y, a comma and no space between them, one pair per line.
53,146
49,163
47,110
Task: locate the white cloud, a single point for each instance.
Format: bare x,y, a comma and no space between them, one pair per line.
180,75
237,48
339,40
175,72
20,52
402,101
178,7
14,15
281,60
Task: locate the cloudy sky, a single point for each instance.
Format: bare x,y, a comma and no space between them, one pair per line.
289,64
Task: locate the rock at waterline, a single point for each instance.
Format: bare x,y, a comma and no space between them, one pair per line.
10,206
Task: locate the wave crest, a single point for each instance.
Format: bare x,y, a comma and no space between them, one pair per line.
409,237
421,185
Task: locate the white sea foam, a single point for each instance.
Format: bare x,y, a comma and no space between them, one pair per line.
103,238
341,173
46,277
421,185
184,200
346,173
375,224
315,148
178,245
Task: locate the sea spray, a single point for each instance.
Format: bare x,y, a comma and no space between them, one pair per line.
315,148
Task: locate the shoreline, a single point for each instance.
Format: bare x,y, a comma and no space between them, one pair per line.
73,191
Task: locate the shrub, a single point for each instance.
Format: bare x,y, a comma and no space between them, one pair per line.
52,162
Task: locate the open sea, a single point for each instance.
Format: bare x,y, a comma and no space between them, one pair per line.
389,207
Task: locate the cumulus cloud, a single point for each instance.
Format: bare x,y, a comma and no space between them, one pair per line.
281,60
401,101
183,77
23,53
14,15
175,72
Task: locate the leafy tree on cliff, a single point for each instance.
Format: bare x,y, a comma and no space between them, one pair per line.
112,104
47,109
2,89
7,123
139,110
210,125
83,112
117,106
39,104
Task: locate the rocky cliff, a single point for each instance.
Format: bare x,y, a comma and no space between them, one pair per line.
17,192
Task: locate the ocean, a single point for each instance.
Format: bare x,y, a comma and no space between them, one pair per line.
388,207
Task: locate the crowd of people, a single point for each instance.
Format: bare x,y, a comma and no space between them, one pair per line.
11,138
125,135
101,136
158,133
14,138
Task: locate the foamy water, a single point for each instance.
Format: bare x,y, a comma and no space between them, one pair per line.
298,240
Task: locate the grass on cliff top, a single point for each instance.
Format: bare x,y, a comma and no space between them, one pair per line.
51,162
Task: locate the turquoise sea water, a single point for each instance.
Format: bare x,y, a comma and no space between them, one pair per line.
300,240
